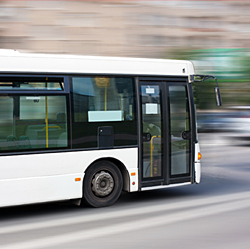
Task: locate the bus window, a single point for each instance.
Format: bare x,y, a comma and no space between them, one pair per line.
151,99
179,130
103,101
32,122
31,83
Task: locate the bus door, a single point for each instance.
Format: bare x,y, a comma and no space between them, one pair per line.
180,133
165,153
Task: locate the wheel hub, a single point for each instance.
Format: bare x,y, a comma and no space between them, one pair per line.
102,184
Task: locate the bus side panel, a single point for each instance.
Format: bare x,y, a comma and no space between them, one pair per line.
39,189
197,164
46,177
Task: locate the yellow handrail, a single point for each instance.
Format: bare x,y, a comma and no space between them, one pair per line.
151,153
103,82
106,86
46,117
49,127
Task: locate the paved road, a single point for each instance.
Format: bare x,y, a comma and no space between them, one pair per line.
212,214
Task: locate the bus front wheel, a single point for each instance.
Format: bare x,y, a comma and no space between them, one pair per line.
102,184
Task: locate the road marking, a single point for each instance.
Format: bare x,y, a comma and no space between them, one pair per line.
128,226
206,207
123,213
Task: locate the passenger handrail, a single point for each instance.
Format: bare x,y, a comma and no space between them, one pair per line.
151,153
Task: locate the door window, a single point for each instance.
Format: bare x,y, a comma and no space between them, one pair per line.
151,99
180,134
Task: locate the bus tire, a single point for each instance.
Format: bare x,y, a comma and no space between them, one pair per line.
103,184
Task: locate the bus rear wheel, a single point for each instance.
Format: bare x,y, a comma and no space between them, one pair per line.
102,184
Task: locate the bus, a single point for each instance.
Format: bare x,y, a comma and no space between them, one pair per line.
85,128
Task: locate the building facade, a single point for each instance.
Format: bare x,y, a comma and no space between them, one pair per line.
123,28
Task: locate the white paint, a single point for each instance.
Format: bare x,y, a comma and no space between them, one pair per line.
21,62
133,179
197,150
46,177
197,169
40,189
165,186
203,208
124,212
197,164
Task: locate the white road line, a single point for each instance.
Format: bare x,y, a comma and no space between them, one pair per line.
123,213
128,226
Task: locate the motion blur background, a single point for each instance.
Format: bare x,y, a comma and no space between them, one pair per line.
214,35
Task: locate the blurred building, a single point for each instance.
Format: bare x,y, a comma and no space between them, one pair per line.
123,28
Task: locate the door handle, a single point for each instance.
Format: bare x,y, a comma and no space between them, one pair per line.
186,135
146,137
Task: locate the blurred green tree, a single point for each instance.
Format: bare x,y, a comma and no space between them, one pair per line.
230,66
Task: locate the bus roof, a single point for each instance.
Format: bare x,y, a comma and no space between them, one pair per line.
13,61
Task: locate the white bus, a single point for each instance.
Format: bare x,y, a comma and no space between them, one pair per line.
86,128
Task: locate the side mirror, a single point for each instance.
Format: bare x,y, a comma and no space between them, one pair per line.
218,96
216,89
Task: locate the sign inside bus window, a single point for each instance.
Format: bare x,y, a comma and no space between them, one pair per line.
33,98
150,90
151,108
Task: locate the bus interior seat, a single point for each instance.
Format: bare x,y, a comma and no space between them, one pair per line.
24,142
62,140
61,117
37,135
61,120
12,141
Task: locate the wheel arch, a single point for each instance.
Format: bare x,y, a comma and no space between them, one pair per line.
120,166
